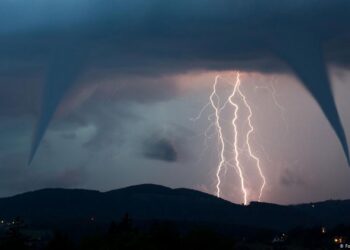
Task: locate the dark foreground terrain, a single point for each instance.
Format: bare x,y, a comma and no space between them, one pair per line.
156,217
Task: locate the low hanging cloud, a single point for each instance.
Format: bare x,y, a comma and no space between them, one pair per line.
290,178
147,38
160,149
15,177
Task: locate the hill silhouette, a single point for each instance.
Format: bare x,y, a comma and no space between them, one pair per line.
153,202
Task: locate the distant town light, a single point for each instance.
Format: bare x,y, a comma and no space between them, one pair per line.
338,240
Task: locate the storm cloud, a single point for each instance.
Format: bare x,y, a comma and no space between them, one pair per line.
153,38
160,149
57,55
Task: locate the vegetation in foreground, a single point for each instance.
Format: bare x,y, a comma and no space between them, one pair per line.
167,236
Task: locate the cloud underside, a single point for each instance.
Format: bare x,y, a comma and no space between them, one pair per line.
160,149
173,38
304,57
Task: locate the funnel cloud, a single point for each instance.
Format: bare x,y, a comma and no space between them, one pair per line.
151,37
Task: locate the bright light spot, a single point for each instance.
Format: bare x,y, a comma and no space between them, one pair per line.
218,104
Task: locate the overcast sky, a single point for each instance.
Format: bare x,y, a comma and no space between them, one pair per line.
124,115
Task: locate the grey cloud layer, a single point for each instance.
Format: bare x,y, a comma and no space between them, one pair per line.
152,36
159,149
143,37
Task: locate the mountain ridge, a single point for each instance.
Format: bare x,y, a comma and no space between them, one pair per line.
147,202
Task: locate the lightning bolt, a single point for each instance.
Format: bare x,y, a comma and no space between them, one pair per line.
235,141
217,109
248,136
223,144
279,106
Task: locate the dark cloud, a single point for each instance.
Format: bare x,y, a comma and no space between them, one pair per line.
20,95
16,177
69,136
290,178
160,149
169,143
148,36
141,89
109,121
154,38
67,178
11,167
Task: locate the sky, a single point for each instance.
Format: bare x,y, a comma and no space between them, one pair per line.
108,100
